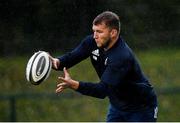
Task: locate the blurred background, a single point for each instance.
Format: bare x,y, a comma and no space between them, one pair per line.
150,27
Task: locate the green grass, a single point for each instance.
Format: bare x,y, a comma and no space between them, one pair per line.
63,109
161,66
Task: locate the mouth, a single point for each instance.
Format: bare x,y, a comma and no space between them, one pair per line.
97,41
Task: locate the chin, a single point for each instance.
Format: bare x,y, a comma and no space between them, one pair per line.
99,46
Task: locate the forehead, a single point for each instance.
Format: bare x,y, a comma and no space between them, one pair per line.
100,26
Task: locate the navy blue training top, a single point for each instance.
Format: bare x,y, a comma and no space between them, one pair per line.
121,78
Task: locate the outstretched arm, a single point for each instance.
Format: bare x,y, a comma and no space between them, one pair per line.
81,52
98,90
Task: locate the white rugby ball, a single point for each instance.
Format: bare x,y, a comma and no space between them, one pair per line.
38,67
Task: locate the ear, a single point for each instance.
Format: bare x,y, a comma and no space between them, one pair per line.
114,32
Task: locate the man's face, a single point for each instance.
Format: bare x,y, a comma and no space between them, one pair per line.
102,35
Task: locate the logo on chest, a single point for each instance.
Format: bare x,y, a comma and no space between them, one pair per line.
95,54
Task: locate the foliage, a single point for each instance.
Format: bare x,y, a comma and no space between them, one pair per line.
28,25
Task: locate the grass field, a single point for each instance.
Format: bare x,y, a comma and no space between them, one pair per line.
162,67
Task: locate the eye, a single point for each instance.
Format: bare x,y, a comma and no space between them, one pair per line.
99,31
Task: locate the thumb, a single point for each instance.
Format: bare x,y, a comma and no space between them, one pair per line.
65,72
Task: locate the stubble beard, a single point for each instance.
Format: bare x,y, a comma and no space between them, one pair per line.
106,44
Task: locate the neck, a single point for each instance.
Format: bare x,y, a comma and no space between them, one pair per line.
112,42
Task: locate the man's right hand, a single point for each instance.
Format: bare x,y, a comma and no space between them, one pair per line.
55,62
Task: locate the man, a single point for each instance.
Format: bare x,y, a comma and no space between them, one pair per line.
131,96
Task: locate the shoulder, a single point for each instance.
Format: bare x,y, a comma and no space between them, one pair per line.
121,54
88,41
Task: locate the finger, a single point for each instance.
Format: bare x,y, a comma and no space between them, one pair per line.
62,79
55,65
50,57
59,90
53,61
61,84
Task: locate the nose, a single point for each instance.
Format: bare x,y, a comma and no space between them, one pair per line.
95,35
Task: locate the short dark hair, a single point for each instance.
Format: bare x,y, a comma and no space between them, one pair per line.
109,18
